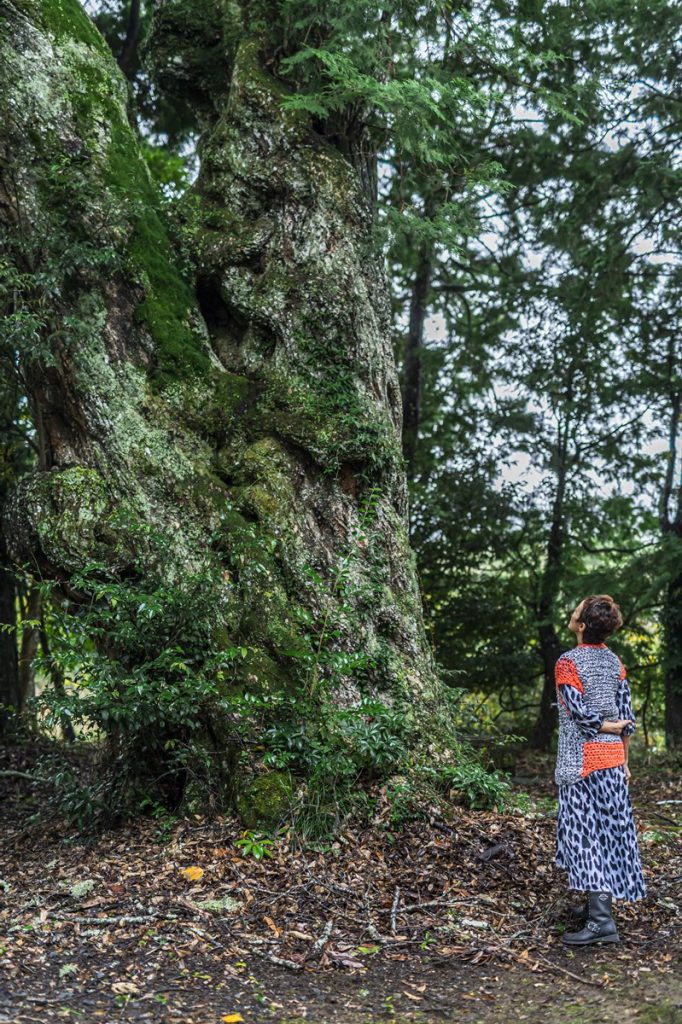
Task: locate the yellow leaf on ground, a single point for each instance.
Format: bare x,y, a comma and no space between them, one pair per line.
232,1018
193,874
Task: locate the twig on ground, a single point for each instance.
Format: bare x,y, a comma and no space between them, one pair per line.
281,962
320,943
394,910
547,964
202,935
371,928
434,903
125,919
664,817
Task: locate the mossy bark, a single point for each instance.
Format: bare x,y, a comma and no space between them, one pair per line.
248,405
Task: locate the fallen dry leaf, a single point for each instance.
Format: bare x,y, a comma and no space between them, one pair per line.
272,926
193,874
124,988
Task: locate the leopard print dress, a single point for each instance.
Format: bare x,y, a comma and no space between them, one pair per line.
596,839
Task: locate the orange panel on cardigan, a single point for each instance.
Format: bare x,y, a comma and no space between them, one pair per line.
566,672
602,755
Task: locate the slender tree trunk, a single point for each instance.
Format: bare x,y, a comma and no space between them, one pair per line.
57,681
548,641
550,650
30,638
671,530
673,658
412,365
127,58
9,673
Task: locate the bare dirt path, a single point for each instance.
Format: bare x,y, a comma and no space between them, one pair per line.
452,921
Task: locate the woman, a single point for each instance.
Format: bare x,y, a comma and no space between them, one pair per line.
596,838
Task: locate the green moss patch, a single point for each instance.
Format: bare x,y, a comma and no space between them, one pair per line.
265,802
65,19
168,304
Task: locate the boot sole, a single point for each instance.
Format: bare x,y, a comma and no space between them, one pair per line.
593,942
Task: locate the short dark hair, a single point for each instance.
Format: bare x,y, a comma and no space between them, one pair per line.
601,616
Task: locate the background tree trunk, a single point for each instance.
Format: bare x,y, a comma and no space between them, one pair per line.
9,674
670,521
248,415
127,58
412,368
672,619
30,638
548,641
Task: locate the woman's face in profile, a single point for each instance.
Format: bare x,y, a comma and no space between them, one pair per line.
573,621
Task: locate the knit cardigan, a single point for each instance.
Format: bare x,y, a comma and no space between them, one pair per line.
591,689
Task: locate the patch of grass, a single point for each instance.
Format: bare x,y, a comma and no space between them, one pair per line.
664,1012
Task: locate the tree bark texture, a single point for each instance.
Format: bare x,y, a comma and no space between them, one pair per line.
247,406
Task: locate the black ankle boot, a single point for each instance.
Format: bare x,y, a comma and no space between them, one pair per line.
599,926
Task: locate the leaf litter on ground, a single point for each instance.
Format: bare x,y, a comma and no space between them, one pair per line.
477,888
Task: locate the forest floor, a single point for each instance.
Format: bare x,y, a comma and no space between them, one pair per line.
441,922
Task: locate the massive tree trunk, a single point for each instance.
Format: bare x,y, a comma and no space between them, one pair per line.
249,415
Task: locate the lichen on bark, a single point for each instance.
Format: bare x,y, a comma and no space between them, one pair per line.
251,410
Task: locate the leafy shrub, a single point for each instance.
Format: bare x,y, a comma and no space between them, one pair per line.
145,683
255,844
176,720
472,784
